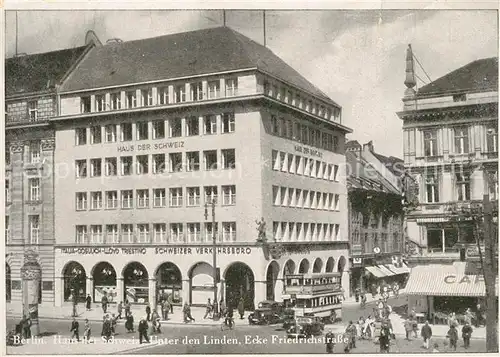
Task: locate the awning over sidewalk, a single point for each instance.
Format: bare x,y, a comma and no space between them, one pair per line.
386,270
399,270
444,280
375,271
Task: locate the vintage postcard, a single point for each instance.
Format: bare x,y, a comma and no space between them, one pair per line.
259,181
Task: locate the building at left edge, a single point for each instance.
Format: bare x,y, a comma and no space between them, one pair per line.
31,84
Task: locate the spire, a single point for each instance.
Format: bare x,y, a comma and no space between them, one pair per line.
410,73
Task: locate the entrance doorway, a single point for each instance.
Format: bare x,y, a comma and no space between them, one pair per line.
240,282
75,282
271,278
201,284
136,283
169,282
104,276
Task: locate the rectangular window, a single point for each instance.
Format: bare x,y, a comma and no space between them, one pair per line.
158,129
96,234
175,127
110,133
492,138
196,91
100,103
175,159
33,110
231,87
142,130
210,232
147,97
96,200
127,199
116,101
210,194
432,188
143,233
85,106
131,99
463,186
193,196
142,198
461,140
34,186
160,196
35,152
210,124
81,168
126,165
213,89
126,132
229,195
110,166
192,126
176,197
81,234
193,160
80,136
159,164
229,231
112,233
111,199
180,93
430,143
95,134
194,234
163,97
176,232
210,159
81,201
34,226
142,164
228,123
228,159
127,232
95,167
160,232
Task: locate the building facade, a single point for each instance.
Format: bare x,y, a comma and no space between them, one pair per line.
375,218
30,102
150,134
450,129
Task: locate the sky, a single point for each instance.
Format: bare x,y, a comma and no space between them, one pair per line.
356,57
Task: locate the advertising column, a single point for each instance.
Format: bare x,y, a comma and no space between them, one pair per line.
31,275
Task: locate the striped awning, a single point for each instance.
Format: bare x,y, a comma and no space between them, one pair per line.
376,272
386,270
444,280
432,220
399,270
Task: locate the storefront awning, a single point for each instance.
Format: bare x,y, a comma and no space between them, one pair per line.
386,270
399,270
432,220
444,280
376,272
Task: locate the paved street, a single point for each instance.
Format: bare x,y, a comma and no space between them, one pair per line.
190,339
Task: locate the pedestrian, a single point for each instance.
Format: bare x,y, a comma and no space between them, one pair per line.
408,328
356,294
106,328
329,341
436,348
165,309
119,310
127,308
26,326
426,334
74,299
385,338
466,334
241,307
452,319
86,331
143,330
114,322
129,323
187,313
378,289
148,313
155,322
468,316
208,311
222,306
104,303
170,300
351,332
453,337
88,302
414,325
363,300
413,314
75,326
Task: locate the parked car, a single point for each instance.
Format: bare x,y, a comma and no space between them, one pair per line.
267,312
304,327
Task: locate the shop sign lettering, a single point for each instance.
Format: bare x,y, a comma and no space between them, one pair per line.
466,279
149,147
308,151
158,250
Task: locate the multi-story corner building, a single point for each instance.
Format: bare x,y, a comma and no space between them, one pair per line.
152,130
450,129
31,91
375,217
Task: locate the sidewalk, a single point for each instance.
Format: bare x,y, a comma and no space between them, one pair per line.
96,314
370,298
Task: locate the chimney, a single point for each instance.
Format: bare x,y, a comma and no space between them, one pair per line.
410,74
368,146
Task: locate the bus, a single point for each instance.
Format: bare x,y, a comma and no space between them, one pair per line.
315,294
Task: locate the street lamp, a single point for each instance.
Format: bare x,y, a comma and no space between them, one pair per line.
214,251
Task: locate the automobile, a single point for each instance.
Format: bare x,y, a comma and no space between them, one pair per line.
267,312
307,326
288,318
